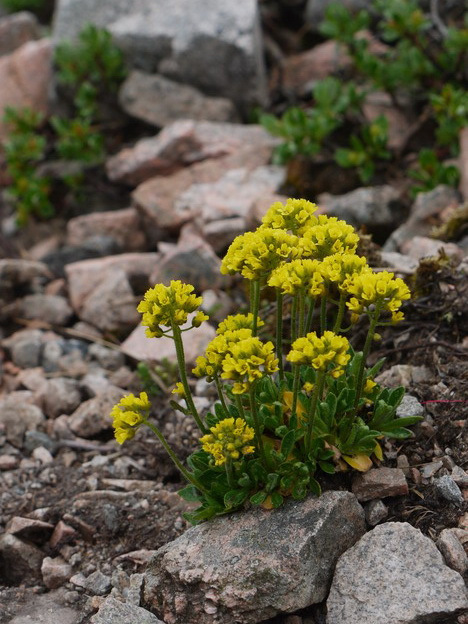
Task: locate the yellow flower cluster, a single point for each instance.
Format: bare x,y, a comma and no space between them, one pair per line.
380,290
295,216
325,353
329,236
128,415
238,321
228,440
209,365
301,275
168,305
247,361
255,254
341,267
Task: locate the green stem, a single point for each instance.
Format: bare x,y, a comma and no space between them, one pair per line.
279,333
313,408
240,407
190,478
230,473
340,314
222,399
301,313
310,315
296,382
254,303
294,319
256,424
183,375
365,353
323,314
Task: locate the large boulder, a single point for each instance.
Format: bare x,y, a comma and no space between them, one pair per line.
246,567
213,46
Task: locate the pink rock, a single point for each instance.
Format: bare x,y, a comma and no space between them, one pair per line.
140,347
16,30
62,534
260,207
220,234
379,103
55,572
30,529
8,462
183,143
450,544
122,225
25,78
380,483
422,247
93,416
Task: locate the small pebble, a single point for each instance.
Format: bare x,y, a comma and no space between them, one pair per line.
448,489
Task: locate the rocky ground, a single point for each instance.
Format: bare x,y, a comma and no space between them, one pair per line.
81,516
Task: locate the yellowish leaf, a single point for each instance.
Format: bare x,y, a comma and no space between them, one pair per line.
360,462
378,451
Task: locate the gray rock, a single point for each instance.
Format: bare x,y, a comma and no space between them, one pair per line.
25,347
398,262
376,207
98,246
47,608
18,416
410,406
113,611
447,488
92,416
62,396
394,575
98,583
55,572
418,247
379,483
135,589
160,101
216,48
17,29
430,469
110,359
21,561
35,439
450,544
375,511
49,308
51,354
15,272
249,566
460,476
403,375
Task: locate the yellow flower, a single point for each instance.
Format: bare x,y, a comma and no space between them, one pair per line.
329,236
128,415
168,305
369,386
304,275
247,361
325,353
296,216
255,254
209,365
179,389
380,289
238,321
341,267
228,440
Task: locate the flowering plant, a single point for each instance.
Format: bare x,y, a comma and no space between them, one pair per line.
291,408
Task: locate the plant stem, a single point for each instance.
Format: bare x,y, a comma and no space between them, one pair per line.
190,478
222,399
240,407
279,333
296,381
301,313
340,314
310,315
230,473
256,424
254,303
365,353
313,408
177,336
323,314
294,319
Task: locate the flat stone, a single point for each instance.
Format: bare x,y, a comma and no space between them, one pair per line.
249,566
122,225
30,529
394,575
380,483
159,101
55,572
93,416
113,611
184,143
16,30
450,543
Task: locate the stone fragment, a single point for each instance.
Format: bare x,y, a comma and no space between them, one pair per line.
122,225
25,347
52,309
17,416
62,396
404,375
46,608
92,416
398,262
159,101
460,477
21,561
97,583
380,483
421,247
30,529
394,575
18,273
375,511
141,348
429,470
409,406
113,611
446,487
249,566
62,534
135,589
426,208
450,544
184,143
98,246
42,455
193,261
220,234
25,78
110,359
8,462
55,572
376,207
16,30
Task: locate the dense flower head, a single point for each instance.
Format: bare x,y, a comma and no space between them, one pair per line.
300,275
168,305
329,236
128,415
380,289
255,254
328,352
296,216
209,365
228,440
340,268
238,321
247,361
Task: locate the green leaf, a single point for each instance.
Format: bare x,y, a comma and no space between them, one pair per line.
272,481
326,467
235,498
287,443
190,494
258,498
276,499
